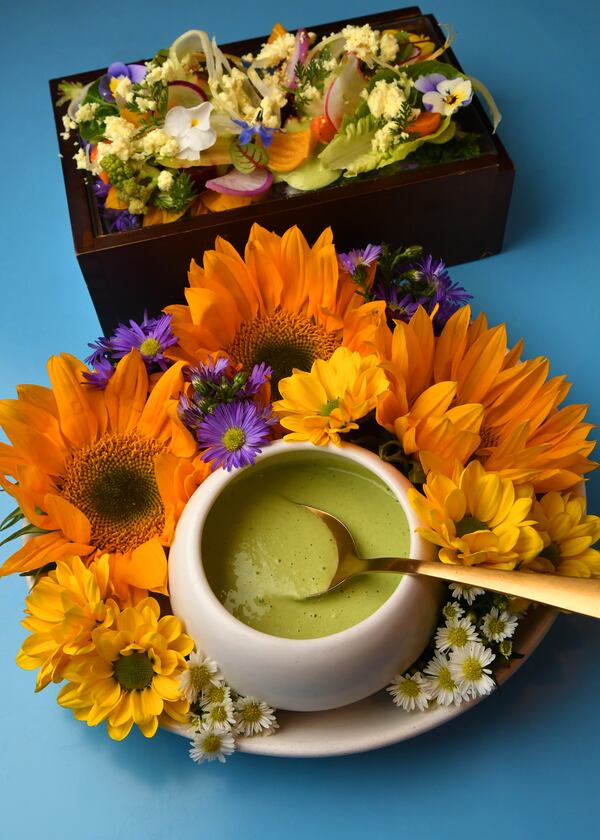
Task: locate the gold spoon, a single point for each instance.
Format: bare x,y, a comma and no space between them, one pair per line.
580,595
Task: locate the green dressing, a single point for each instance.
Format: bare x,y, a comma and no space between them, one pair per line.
263,553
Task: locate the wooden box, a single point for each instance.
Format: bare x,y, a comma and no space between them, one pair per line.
456,210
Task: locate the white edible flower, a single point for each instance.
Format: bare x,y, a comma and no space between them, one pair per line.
467,593
86,112
191,128
164,181
452,610
253,717
457,633
498,626
409,692
281,49
388,47
468,667
449,95
208,745
440,684
362,41
200,674
385,99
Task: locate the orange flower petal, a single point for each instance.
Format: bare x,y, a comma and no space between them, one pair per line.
70,520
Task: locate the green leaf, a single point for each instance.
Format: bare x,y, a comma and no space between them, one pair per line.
352,144
93,130
28,530
11,519
247,158
495,114
426,68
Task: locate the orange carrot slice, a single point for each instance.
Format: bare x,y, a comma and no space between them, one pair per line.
426,123
288,150
158,216
215,202
113,202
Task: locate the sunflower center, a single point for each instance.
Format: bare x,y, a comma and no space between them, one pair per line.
469,524
233,439
149,347
134,671
113,483
283,341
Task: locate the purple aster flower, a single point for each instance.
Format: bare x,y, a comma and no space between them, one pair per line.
101,349
212,371
101,190
152,337
189,413
249,130
123,220
259,375
135,72
103,370
234,433
357,257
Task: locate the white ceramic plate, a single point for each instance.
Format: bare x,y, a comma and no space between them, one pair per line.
376,722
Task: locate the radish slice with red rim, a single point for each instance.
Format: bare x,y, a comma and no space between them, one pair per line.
241,183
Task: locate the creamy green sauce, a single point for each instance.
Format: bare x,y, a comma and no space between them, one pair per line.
263,553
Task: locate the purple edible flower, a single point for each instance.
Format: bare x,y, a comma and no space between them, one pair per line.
99,377
152,337
428,84
122,220
190,414
212,371
249,130
135,72
259,375
101,348
233,434
357,257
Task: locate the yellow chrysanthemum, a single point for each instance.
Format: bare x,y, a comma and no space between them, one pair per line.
99,471
422,416
285,304
477,517
321,404
525,436
63,609
568,535
132,673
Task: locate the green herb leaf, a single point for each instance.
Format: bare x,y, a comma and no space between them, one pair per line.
249,157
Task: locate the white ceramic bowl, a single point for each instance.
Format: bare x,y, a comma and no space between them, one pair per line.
303,674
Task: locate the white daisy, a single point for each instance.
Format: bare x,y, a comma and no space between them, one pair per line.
219,717
217,694
409,692
469,671
439,682
253,717
453,610
467,593
208,745
498,626
200,673
456,634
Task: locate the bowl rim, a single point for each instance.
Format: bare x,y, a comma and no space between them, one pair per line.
400,599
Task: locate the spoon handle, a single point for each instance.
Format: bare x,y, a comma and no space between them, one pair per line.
579,595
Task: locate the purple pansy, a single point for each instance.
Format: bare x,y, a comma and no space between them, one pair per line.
428,84
233,434
249,130
151,337
359,256
134,72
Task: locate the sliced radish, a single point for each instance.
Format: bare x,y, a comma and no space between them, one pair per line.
240,183
343,93
186,94
298,57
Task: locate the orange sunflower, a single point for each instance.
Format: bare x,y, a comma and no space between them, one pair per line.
285,304
99,472
524,433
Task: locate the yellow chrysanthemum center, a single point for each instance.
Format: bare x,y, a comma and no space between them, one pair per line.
149,347
410,688
134,672
552,553
472,669
251,713
114,484
468,525
283,341
457,637
211,744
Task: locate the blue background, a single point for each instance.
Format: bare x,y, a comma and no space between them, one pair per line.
523,762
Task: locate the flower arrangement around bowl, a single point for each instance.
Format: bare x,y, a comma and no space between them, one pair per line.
375,346
196,131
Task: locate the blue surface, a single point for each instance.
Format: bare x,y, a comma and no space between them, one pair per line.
522,763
